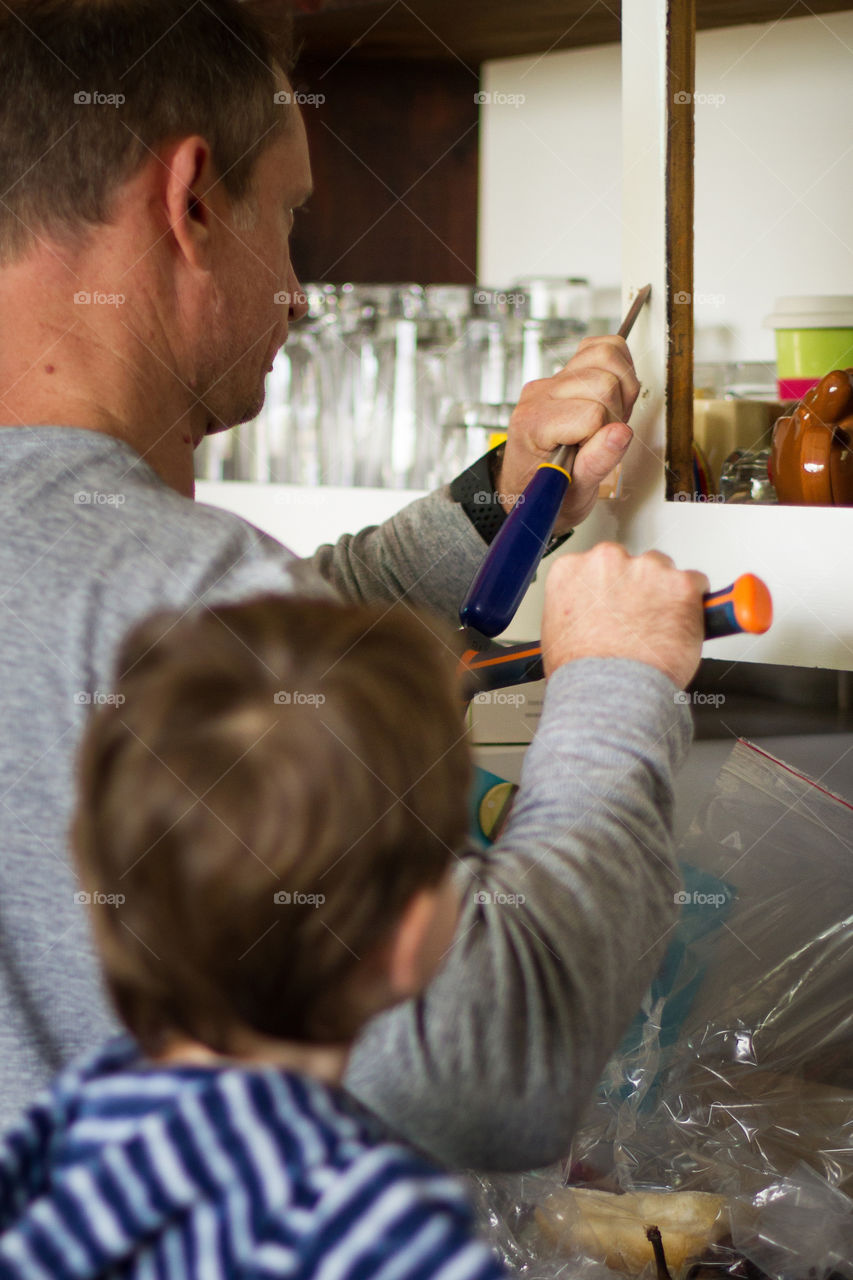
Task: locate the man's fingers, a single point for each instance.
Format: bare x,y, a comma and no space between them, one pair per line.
608,355
612,605
604,451
607,352
602,385
584,405
700,581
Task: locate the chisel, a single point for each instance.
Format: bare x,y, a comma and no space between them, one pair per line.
513,558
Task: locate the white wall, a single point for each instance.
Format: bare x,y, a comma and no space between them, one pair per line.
551,167
774,166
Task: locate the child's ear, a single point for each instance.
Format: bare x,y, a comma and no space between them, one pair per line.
406,948
421,940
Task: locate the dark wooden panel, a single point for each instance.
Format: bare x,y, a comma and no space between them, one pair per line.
737,13
395,156
468,30
474,30
681,85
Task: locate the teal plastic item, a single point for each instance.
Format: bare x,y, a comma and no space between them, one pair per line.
483,783
706,903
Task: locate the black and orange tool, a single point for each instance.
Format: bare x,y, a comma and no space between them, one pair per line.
745,606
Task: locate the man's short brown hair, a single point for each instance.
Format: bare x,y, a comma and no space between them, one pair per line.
270,785
91,88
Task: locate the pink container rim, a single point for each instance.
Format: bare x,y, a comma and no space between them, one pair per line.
795,388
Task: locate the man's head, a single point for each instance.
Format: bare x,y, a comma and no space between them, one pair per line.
266,818
153,150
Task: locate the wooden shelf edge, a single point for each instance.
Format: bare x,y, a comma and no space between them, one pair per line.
483,30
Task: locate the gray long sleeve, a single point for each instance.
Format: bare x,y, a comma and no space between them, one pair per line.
492,1066
426,554
94,541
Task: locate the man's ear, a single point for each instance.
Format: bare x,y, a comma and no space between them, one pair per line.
189,182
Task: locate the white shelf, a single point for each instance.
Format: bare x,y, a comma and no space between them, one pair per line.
303,519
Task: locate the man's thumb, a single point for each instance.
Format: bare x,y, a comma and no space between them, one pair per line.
604,451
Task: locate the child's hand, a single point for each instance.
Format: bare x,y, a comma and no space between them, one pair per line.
605,603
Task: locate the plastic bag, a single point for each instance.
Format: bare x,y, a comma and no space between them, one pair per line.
737,1079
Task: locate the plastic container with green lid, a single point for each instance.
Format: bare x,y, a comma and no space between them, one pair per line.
813,336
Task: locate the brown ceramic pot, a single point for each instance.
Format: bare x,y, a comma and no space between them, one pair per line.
811,460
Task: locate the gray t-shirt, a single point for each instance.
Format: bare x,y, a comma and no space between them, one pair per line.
491,1066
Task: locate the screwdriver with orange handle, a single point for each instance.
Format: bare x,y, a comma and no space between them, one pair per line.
745,606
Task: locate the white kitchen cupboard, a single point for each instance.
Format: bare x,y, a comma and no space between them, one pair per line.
796,550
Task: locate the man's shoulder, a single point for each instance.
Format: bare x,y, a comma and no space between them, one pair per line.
105,491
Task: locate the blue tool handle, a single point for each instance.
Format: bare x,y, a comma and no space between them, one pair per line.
513,558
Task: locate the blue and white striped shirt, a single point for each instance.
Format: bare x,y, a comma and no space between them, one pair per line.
126,1169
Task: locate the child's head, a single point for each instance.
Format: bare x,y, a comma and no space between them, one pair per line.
274,789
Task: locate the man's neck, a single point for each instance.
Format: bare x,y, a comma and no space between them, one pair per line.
91,367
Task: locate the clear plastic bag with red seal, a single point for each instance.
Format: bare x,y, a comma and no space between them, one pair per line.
746,1095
